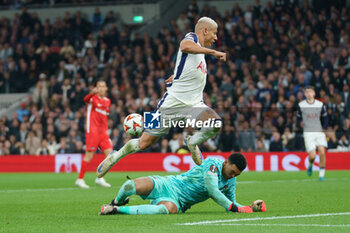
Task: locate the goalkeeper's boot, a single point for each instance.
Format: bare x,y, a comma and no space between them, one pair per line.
126,201
105,165
81,184
195,152
102,182
309,171
322,178
109,210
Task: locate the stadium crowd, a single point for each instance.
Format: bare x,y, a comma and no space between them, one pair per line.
17,4
273,53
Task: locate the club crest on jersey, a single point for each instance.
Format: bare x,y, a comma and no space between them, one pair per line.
213,168
202,67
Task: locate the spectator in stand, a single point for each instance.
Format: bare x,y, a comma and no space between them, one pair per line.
117,137
96,19
110,18
164,148
90,60
260,146
183,22
67,51
52,143
32,143
54,87
345,95
63,147
343,144
6,52
288,140
41,94
79,147
62,73
23,111
22,133
45,149
227,140
246,138
331,139
174,143
276,144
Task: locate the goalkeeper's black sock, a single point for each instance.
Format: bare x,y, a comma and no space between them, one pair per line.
113,202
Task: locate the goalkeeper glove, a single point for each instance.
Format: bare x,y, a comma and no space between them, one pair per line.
258,206
243,209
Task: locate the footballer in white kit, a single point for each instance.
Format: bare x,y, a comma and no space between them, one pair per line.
184,96
310,112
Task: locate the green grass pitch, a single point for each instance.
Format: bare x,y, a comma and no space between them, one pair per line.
47,202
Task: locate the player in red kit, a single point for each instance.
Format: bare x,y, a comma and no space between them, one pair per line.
96,126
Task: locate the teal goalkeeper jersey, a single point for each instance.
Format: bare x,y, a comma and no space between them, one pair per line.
203,182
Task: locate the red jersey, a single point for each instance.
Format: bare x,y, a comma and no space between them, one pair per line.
97,112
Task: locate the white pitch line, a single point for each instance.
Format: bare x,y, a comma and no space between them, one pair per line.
280,224
285,181
262,218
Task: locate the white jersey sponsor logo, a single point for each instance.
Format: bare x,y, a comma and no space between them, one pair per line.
102,111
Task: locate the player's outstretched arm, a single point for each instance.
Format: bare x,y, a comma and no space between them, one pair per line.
189,46
256,206
211,183
231,193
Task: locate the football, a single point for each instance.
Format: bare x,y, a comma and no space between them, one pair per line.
133,124
259,206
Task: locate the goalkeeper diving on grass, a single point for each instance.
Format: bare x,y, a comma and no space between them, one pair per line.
214,179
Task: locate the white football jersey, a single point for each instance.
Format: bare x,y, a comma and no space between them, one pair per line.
189,75
311,115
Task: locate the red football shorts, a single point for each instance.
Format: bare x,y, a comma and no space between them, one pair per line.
93,141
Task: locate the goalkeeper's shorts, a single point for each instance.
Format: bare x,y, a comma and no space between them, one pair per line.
162,191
